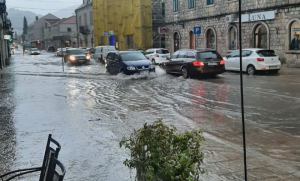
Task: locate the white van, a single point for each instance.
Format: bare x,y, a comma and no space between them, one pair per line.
100,52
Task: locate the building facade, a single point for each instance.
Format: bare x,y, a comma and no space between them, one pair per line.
265,24
85,24
35,34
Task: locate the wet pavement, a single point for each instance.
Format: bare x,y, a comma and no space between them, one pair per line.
89,111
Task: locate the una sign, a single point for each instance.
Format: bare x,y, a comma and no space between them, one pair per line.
7,37
258,16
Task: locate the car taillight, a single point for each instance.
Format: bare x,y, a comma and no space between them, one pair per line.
156,55
260,59
201,64
222,62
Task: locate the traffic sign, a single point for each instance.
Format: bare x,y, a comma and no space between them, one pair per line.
7,37
197,30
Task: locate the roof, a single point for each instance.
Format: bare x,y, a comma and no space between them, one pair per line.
70,20
83,5
49,16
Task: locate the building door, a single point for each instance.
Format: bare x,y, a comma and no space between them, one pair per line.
192,40
176,41
261,37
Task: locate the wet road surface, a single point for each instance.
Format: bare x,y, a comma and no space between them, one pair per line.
89,111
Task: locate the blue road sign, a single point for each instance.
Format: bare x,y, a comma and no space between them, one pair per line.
197,30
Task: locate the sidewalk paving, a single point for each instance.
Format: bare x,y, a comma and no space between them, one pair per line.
224,161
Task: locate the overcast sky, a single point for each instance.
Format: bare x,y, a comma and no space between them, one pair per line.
41,6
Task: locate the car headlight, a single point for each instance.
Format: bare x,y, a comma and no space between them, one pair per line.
88,57
130,68
152,66
72,58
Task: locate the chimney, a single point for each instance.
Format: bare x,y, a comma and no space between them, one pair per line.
36,18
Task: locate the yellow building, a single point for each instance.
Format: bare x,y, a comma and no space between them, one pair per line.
127,23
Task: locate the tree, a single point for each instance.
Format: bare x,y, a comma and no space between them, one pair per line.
25,28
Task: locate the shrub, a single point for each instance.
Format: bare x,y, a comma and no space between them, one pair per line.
158,153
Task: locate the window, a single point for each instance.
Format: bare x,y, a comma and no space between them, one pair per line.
80,21
234,54
181,55
294,36
132,56
69,29
209,2
163,12
174,55
85,19
190,55
261,37
266,53
232,38
110,57
91,18
211,39
192,40
162,51
175,5
191,4
246,53
208,55
176,41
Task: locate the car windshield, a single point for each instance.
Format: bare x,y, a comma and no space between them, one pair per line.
34,49
266,53
132,56
162,51
76,52
208,55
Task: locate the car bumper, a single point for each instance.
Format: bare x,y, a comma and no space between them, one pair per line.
267,67
194,71
35,53
80,61
131,72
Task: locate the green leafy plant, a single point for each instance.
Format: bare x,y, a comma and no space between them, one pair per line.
158,153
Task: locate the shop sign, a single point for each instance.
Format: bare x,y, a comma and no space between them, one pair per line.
267,15
7,37
296,29
111,32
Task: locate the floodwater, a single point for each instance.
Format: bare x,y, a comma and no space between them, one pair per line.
89,111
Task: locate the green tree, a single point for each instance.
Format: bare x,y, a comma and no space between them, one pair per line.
25,28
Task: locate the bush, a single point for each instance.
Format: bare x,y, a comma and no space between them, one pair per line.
158,153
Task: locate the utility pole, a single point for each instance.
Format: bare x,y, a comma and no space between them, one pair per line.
62,58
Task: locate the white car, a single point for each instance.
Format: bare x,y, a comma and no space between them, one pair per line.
33,51
157,56
100,52
254,60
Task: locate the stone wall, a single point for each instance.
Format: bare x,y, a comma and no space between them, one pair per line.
214,17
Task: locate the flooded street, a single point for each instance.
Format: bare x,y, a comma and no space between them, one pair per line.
89,111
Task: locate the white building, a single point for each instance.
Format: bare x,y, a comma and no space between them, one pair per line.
85,24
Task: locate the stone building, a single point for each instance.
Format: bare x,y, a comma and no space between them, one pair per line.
266,24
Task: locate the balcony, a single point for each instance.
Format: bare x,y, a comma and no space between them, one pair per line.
84,30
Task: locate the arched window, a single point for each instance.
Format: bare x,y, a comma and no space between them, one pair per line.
192,40
294,36
176,41
210,39
232,38
261,37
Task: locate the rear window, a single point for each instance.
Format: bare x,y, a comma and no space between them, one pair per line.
208,55
162,51
266,53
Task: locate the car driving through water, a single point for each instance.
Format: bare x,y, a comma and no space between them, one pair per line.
77,56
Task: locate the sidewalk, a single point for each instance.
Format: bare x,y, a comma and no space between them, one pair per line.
224,161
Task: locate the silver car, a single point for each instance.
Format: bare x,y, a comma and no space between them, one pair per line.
100,53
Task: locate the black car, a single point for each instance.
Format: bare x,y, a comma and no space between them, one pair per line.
128,62
77,56
192,63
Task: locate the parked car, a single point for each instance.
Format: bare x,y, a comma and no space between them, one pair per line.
254,60
61,52
77,56
128,62
101,52
33,51
157,56
192,63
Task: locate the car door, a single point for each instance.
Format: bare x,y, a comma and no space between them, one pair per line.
179,61
246,59
117,62
232,61
170,64
110,63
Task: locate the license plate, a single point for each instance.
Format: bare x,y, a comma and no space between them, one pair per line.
274,67
81,61
212,63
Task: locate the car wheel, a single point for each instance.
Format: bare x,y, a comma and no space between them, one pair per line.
184,73
251,70
153,62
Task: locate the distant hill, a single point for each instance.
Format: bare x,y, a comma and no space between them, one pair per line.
66,12
16,16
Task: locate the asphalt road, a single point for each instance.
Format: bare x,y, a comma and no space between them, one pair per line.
89,111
